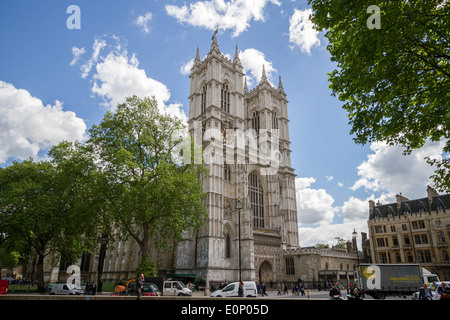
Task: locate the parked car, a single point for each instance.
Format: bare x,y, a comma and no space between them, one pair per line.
176,288
150,290
232,290
64,288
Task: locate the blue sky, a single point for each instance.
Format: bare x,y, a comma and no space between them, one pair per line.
56,82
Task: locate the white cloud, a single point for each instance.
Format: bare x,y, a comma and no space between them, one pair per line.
301,31
252,61
314,206
185,69
329,178
355,209
117,76
233,14
388,170
317,212
142,21
28,127
77,53
96,48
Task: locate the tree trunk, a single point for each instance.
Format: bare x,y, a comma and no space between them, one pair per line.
40,272
101,261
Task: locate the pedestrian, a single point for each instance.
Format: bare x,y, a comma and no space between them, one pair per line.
263,289
88,288
241,289
140,286
335,293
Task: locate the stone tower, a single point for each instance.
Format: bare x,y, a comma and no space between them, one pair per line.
245,138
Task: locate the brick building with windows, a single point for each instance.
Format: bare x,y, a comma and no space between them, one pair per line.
412,231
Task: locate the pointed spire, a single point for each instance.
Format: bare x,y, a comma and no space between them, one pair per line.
215,44
236,54
245,84
197,56
280,85
263,76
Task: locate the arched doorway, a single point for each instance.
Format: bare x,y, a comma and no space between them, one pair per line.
265,272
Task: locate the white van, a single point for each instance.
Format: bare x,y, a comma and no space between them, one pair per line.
176,288
64,288
232,290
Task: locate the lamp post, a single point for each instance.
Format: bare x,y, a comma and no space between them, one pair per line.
239,207
354,236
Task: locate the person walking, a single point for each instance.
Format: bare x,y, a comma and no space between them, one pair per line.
140,286
241,289
263,289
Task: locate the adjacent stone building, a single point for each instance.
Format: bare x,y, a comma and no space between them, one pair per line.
412,231
245,136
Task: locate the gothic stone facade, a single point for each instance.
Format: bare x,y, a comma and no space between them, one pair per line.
245,136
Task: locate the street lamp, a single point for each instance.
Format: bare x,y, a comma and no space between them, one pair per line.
239,207
354,236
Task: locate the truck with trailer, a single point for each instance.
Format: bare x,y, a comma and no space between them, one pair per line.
382,280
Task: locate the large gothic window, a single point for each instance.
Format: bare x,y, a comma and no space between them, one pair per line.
225,98
227,246
256,200
203,99
255,121
274,120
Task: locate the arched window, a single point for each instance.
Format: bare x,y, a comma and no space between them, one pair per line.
227,246
274,120
256,200
203,102
225,98
227,173
255,121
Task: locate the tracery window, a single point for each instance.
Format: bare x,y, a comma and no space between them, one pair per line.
255,121
256,200
203,102
274,120
225,98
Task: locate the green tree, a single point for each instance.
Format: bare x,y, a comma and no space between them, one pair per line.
340,242
90,194
34,210
156,198
147,268
395,80
50,206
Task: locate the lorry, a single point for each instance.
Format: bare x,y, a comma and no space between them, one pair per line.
381,280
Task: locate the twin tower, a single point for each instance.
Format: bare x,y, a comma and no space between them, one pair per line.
245,137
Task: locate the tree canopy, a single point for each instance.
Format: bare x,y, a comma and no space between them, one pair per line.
394,78
125,181
156,198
